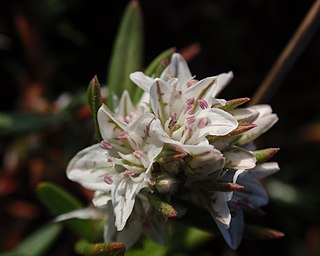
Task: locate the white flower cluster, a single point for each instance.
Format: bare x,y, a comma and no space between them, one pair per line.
180,142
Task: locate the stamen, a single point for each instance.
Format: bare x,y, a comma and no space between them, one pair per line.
191,119
127,119
189,108
107,180
105,145
202,122
123,135
190,101
128,174
203,104
138,154
173,120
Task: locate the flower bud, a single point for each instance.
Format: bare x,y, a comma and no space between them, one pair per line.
166,183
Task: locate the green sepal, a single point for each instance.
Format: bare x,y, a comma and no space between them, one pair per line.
83,247
59,201
38,243
232,104
95,102
161,206
264,155
127,53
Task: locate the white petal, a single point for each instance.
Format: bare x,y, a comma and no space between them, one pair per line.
129,235
110,126
84,214
264,122
160,95
143,81
89,167
238,158
101,198
263,109
219,122
202,90
219,209
123,198
125,107
245,114
178,68
263,170
222,80
233,234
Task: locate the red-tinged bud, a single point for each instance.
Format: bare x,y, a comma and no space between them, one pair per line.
242,127
232,104
264,155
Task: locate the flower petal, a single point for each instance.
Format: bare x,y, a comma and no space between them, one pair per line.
239,158
219,209
263,170
125,107
143,81
178,68
263,123
233,234
83,214
89,167
123,197
129,235
160,95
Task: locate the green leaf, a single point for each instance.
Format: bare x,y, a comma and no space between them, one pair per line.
155,68
100,249
148,248
38,243
59,201
127,53
18,123
95,102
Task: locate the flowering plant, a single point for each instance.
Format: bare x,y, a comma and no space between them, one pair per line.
178,149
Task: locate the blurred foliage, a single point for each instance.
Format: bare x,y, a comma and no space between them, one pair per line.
50,49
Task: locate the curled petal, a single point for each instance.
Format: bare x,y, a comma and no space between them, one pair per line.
89,166
238,158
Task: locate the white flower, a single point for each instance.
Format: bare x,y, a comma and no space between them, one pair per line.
119,167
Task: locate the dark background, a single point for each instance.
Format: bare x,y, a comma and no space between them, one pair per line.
48,47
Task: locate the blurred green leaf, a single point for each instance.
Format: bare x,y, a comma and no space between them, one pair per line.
127,53
59,201
38,243
100,249
95,102
155,68
17,123
148,248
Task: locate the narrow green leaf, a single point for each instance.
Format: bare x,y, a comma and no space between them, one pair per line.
59,201
264,155
155,68
37,243
161,206
127,53
100,249
95,102
254,232
18,123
